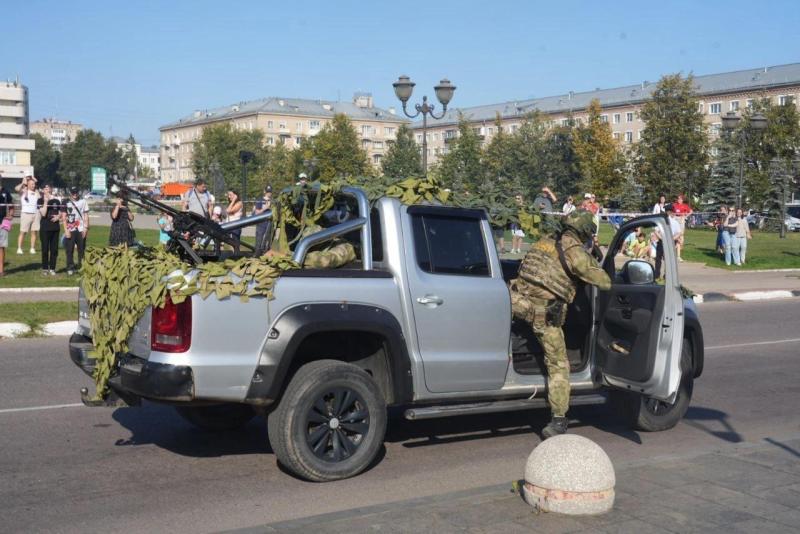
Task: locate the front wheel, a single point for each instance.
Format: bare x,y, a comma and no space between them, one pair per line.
652,415
330,423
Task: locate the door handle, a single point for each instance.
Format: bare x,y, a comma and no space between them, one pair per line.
430,300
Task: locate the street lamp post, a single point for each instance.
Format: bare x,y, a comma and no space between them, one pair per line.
246,157
758,123
403,88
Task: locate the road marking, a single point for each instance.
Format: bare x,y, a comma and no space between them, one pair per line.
35,408
795,340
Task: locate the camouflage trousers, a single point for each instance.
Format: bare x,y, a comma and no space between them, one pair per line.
551,338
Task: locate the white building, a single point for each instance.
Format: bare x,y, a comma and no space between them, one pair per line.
15,147
145,156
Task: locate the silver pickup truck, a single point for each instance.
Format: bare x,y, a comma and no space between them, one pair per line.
422,320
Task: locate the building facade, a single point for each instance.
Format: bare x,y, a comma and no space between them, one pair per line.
15,147
58,132
283,120
717,95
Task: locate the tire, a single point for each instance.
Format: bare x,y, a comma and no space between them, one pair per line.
651,415
219,417
335,409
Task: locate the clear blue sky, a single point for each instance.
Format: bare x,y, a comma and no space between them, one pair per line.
129,67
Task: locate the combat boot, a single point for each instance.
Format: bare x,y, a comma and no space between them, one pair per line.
556,426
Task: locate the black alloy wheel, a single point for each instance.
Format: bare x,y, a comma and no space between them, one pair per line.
336,424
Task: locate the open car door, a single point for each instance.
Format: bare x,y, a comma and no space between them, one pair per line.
639,321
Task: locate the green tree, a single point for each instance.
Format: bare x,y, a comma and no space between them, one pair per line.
46,161
89,149
335,151
780,141
529,155
498,155
723,183
672,154
403,158
280,167
461,168
219,147
599,158
560,163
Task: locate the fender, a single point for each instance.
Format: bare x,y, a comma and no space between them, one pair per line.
299,322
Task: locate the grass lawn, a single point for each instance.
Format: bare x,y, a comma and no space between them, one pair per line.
765,251
37,313
26,270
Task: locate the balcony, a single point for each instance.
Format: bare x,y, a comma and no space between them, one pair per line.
12,128
12,111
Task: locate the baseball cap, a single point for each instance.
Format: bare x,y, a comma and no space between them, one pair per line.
587,195
268,189
302,175
73,190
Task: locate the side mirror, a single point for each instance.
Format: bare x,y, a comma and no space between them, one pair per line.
638,272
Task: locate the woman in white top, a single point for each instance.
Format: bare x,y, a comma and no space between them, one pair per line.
234,212
29,217
569,206
742,234
659,207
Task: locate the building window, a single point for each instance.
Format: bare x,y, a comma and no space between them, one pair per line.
419,138
639,135
282,125
616,136
8,157
376,158
377,145
435,136
514,128
313,125
603,118
388,131
716,128
477,131
298,141
734,105
450,134
701,107
490,131
714,151
749,103
367,130
270,125
617,118
564,122
785,100
629,137
365,144
629,116
715,108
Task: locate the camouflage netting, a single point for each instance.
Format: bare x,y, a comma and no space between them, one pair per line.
120,283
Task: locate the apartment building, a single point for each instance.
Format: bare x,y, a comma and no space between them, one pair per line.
717,93
146,156
290,121
15,147
58,132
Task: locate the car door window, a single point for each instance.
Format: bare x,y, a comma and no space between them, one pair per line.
449,245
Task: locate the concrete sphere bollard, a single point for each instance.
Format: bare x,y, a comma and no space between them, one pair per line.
569,474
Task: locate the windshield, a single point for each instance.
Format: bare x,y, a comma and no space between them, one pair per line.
793,211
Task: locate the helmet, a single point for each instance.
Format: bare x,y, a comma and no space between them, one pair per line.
582,223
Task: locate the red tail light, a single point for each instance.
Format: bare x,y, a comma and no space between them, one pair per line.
171,329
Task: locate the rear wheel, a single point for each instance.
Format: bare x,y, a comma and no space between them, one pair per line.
330,423
652,415
219,417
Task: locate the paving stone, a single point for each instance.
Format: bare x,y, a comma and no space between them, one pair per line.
666,478
629,482
787,495
734,499
667,507
761,526
553,523
790,518
634,526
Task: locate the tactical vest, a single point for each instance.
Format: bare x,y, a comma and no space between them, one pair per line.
541,267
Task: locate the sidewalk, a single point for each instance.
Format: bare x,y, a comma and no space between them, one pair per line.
753,487
720,283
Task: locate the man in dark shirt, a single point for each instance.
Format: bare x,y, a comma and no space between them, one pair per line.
50,209
6,217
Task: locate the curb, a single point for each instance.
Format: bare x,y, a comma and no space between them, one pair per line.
61,328
746,296
38,289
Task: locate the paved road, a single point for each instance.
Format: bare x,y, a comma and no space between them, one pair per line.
76,469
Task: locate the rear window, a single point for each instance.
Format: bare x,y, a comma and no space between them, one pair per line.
449,245
793,211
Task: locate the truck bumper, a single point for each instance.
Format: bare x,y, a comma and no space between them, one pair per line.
136,376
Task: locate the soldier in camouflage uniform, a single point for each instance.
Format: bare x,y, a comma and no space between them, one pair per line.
546,284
